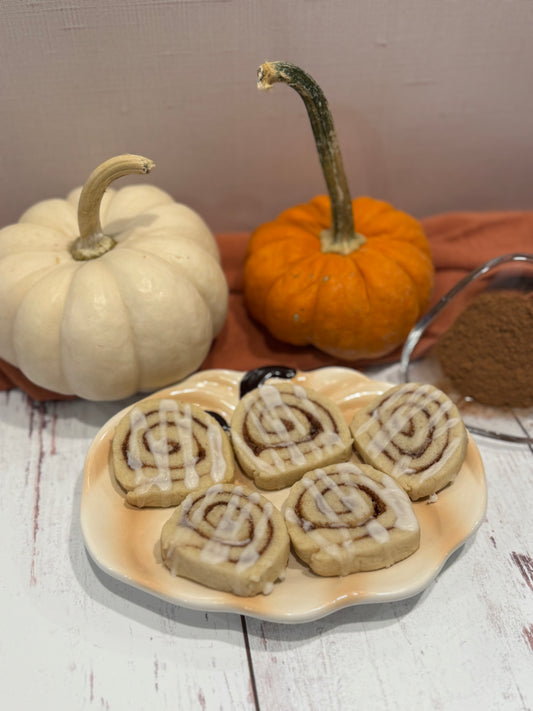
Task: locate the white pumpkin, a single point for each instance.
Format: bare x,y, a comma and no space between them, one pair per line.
103,312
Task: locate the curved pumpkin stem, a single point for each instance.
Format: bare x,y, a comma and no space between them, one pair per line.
342,236
92,242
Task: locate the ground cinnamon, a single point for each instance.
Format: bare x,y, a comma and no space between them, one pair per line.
488,351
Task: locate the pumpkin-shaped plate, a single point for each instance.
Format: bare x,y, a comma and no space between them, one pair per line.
124,541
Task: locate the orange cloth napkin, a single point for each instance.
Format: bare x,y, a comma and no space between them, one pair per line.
459,242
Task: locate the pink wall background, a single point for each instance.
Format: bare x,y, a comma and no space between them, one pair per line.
433,101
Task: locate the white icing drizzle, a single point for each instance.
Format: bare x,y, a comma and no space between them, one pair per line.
277,411
174,562
319,499
184,425
419,398
376,531
251,553
290,515
401,467
218,461
209,496
350,475
352,500
138,422
237,511
332,549
398,500
159,447
272,400
276,424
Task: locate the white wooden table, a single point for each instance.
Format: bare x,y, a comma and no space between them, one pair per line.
73,638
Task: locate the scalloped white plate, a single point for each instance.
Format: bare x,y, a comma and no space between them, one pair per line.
124,541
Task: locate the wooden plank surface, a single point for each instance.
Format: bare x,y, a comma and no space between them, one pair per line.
72,637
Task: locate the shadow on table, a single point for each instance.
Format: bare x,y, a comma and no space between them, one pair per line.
130,602
366,615
169,618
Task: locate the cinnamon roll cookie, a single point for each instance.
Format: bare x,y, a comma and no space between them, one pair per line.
162,449
415,433
279,431
348,518
227,538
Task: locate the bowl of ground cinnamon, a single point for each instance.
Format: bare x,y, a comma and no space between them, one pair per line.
478,348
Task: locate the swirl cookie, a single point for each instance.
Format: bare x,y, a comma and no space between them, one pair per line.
348,518
228,539
163,449
282,430
415,433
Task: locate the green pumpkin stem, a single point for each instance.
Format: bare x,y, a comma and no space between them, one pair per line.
92,241
342,236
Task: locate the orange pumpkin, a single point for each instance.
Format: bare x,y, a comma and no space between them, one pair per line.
311,278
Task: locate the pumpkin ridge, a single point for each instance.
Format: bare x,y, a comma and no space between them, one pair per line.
82,270
30,371
38,215
289,260
307,268
135,355
181,268
354,258
414,297
416,279
127,309
12,261
132,243
163,262
418,240
348,307
277,233
304,330
33,278
314,319
65,234
401,268
28,238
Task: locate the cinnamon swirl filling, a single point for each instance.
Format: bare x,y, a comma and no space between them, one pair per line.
415,433
163,449
281,430
227,538
348,518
